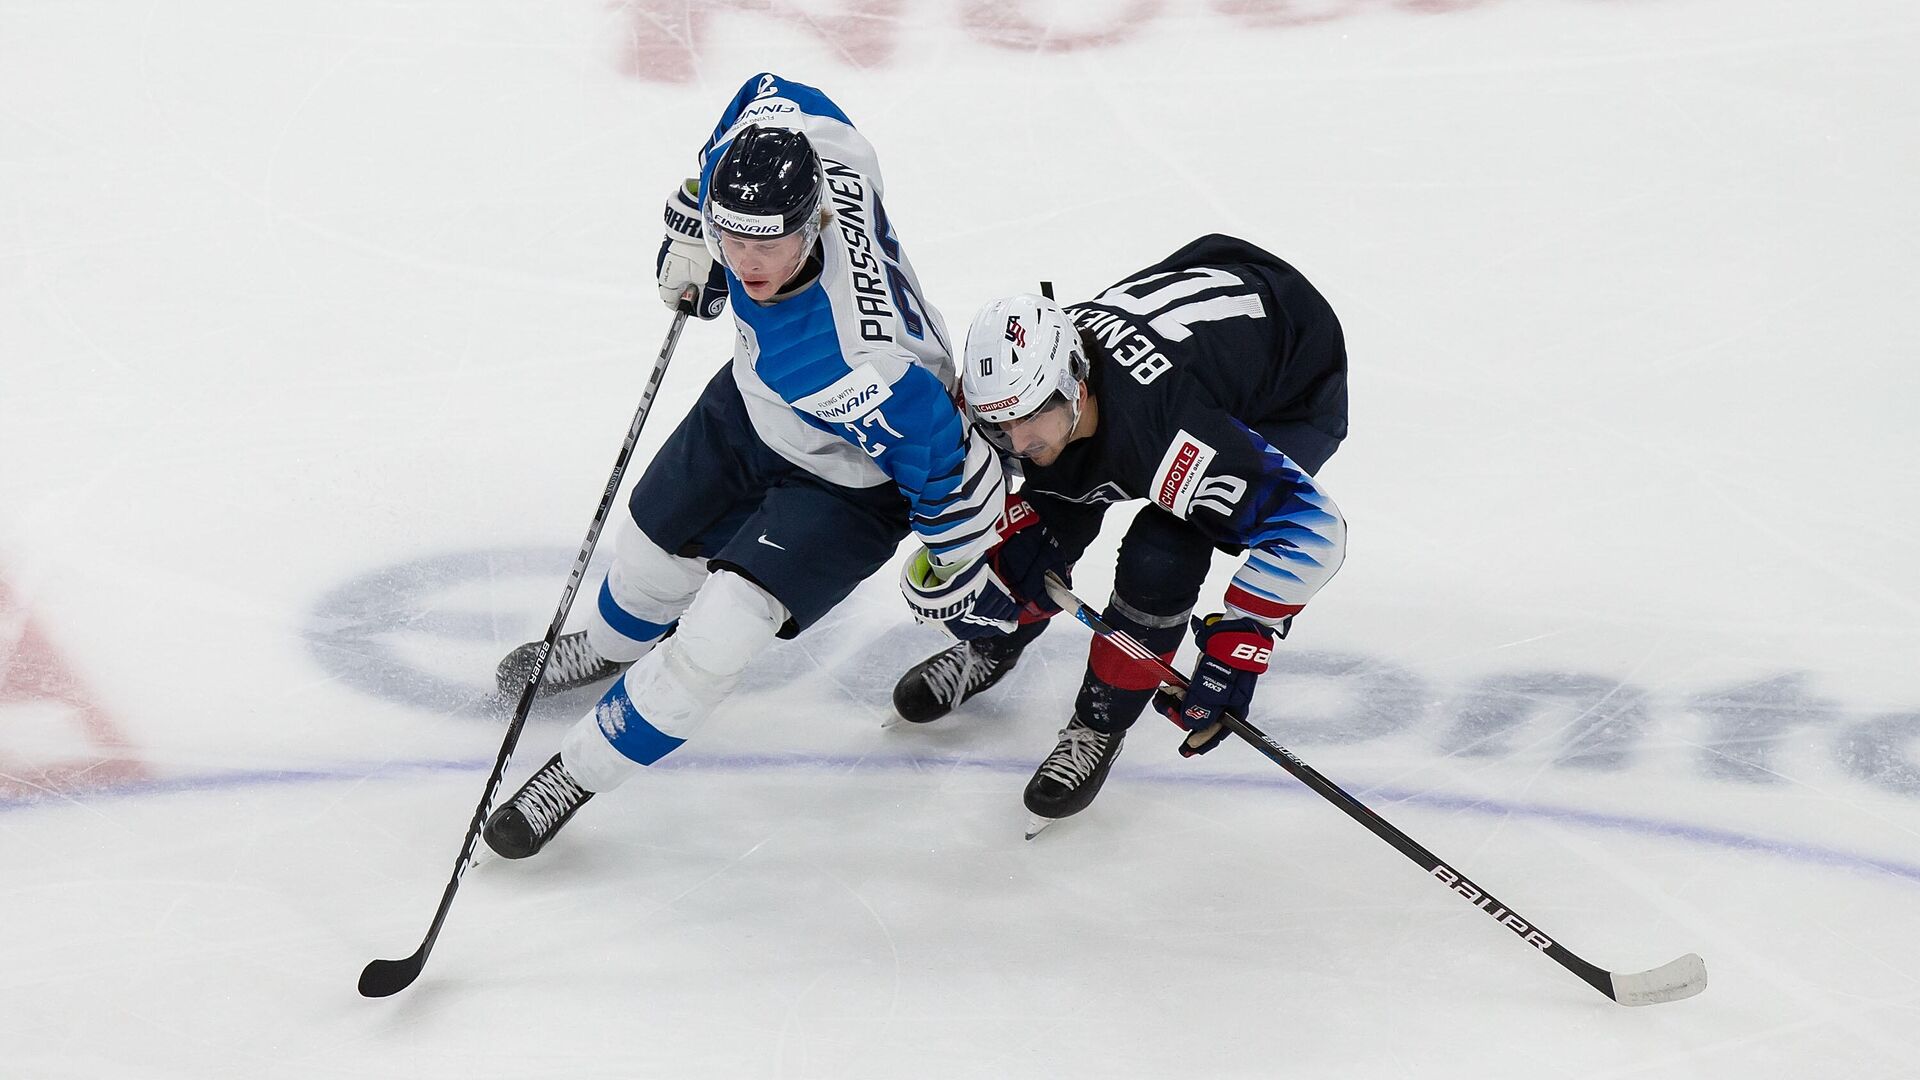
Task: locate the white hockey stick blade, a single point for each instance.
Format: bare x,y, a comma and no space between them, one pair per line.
1672,981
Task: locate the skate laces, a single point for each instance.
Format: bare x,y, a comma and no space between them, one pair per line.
1078,754
572,659
548,797
956,673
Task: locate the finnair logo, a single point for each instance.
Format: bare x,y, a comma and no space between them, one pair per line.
744,224
855,394
853,405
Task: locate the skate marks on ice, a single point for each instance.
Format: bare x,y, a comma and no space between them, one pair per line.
427,633
1018,768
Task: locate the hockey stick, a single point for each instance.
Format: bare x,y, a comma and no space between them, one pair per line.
1672,981
382,978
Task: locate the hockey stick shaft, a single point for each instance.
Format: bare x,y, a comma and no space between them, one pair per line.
382,978
1677,979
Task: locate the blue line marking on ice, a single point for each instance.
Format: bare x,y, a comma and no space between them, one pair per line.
1703,835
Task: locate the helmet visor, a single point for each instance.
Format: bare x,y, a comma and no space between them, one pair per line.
736,241
1046,428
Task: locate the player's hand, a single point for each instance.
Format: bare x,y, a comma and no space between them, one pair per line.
1234,653
684,260
1025,555
968,603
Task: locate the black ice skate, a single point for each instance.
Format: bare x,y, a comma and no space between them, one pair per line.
937,685
573,664
1071,776
536,812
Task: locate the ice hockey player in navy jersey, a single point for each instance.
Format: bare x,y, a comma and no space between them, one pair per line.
831,436
1213,385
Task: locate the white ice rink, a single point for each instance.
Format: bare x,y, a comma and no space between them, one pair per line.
321,320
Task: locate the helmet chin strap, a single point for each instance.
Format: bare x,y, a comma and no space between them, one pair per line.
1073,409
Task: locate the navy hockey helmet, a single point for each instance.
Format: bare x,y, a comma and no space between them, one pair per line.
766,185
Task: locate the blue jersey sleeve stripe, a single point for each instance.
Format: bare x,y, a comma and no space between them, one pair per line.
1274,569
1246,581
967,489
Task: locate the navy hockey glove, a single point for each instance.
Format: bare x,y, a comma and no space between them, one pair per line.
969,602
684,259
1026,553
1234,653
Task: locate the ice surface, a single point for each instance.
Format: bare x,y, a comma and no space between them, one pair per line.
319,326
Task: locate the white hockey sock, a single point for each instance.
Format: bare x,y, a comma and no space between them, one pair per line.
658,703
645,590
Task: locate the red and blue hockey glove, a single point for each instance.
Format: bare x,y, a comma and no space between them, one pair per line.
1027,552
1234,653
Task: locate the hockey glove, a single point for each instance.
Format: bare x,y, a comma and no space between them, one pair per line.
1233,655
1026,553
684,259
971,603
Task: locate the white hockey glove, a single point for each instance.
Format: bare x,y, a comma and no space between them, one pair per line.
684,259
971,603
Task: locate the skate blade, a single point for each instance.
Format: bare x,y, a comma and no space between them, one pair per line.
1037,824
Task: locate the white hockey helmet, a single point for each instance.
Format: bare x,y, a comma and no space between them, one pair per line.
1023,354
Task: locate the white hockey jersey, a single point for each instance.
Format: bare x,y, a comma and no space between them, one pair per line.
852,378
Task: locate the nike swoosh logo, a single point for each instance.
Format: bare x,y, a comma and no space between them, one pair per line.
769,543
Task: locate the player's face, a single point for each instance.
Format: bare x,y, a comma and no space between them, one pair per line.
764,265
1041,435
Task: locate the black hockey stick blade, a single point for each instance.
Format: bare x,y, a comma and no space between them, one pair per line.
385,978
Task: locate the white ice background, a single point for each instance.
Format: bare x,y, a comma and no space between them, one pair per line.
319,326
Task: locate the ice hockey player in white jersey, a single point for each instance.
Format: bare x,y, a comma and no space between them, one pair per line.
831,436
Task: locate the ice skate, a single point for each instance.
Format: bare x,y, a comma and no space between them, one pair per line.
573,664
1071,776
535,813
937,685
